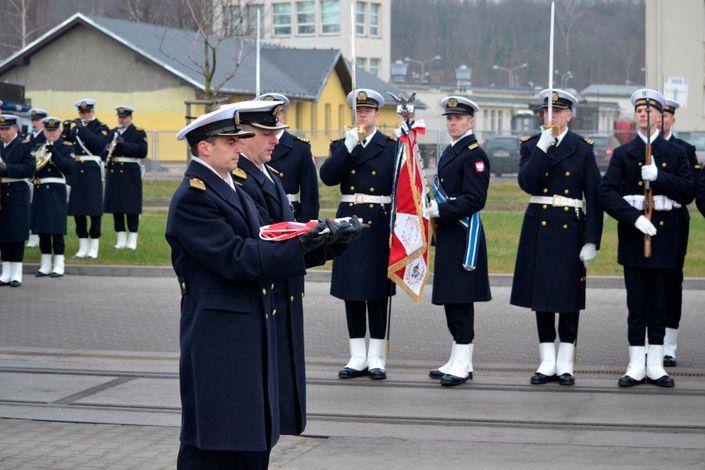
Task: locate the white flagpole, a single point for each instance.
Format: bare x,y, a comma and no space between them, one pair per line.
550,67
257,73
353,61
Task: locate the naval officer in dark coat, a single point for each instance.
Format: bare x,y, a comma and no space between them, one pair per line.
622,196
363,166
16,165
295,166
560,235
88,137
460,269
49,204
674,300
228,365
123,178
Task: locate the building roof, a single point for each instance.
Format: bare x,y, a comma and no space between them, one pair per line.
296,72
610,89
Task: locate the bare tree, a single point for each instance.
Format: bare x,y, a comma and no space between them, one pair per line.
21,16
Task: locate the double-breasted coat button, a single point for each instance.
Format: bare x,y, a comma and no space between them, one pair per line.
663,165
374,172
372,190
264,291
545,190
565,226
567,173
544,207
566,209
640,183
566,191
291,298
352,188
352,172
543,223
661,223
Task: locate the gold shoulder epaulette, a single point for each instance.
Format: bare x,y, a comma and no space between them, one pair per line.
473,146
306,141
588,141
198,184
139,129
104,132
275,171
240,173
525,138
68,142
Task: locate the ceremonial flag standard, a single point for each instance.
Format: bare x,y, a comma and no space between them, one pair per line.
409,237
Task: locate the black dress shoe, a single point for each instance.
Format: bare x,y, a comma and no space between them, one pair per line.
350,373
56,275
436,374
4,283
665,381
669,361
626,381
566,379
40,274
451,380
378,374
539,378
15,283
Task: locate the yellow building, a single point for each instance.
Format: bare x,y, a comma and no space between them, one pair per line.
155,70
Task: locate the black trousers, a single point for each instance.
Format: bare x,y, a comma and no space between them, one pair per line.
376,312
674,294
567,326
193,458
82,226
133,222
49,244
646,301
461,322
12,252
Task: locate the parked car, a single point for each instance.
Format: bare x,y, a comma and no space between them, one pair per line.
603,146
503,153
698,140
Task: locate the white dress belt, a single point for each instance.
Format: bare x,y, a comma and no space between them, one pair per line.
14,180
89,158
40,181
293,197
359,198
557,201
661,202
126,160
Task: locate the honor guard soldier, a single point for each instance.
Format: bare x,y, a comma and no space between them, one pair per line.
674,295
294,164
88,137
16,166
228,365
264,187
123,178
647,278
460,268
36,138
363,166
560,235
49,205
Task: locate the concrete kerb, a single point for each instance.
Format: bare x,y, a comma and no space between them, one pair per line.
319,275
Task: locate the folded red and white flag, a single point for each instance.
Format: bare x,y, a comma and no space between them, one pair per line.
286,230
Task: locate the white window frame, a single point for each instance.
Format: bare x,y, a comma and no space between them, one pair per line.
358,24
300,24
324,25
374,26
275,15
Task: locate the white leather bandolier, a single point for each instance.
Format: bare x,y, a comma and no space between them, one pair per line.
661,202
89,158
14,180
359,198
557,201
40,181
126,160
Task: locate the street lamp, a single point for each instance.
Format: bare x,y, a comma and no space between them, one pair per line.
513,82
565,77
422,64
462,77
399,69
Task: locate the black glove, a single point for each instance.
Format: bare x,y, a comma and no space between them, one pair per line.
66,131
3,168
314,238
334,228
49,147
119,139
353,230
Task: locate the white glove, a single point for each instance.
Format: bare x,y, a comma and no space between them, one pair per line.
545,140
587,253
352,138
649,172
433,209
645,226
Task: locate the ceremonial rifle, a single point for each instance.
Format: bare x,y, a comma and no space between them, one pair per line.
648,192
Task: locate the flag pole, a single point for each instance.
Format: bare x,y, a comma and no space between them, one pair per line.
257,73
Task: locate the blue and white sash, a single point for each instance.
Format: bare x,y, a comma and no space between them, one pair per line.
472,224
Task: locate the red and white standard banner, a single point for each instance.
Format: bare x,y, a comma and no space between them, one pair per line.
409,238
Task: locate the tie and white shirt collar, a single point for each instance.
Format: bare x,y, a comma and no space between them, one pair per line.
654,136
261,168
559,139
228,179
453,142
368,139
